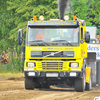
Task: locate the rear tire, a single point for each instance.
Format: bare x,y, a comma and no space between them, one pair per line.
80,84
29,84
89,85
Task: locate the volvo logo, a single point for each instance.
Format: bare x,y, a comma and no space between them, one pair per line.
52,54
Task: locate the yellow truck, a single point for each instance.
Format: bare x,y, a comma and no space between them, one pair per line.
55,53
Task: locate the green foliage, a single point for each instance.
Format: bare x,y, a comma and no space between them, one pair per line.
87,10
14,15
15,64
23,11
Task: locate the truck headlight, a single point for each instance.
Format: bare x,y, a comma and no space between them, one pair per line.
30,64
73,65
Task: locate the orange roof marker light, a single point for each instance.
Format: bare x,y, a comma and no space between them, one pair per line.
74,17
98,36
34,18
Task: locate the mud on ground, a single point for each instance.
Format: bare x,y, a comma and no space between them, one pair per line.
13,89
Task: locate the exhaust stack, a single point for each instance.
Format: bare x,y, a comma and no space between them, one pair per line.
62,5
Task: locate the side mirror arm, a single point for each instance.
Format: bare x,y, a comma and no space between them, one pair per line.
23,39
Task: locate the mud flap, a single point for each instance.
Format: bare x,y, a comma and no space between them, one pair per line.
88,78
88,70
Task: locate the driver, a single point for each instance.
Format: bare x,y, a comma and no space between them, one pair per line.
40,35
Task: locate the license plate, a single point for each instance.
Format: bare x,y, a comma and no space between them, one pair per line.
51,74
31,74
73,74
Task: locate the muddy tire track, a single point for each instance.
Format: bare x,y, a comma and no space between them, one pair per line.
13,89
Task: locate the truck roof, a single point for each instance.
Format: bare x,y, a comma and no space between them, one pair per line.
54,23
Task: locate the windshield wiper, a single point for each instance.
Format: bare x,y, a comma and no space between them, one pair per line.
40,41
62,41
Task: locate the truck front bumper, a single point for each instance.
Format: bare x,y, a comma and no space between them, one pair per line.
65,74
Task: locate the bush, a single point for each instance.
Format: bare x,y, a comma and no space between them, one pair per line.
14,65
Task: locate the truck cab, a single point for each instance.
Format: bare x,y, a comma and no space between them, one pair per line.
55,53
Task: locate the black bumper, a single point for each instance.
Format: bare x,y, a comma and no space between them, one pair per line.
55,73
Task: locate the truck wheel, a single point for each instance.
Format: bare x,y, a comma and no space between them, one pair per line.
89,85
80,84
29,84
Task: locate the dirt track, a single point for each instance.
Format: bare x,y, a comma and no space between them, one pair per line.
13,89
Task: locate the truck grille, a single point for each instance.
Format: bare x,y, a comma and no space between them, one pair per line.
52,65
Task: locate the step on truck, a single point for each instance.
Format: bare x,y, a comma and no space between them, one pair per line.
55,53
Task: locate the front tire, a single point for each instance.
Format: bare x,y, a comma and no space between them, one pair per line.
29,84
80,83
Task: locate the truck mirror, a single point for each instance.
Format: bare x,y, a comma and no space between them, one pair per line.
20,39
87,37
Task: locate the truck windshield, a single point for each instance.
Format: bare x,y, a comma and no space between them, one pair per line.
53,36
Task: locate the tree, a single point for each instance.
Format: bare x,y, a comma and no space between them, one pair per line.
87,10
23,11
4,26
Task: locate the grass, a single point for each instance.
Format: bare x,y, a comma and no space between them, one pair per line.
11,70
12,67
